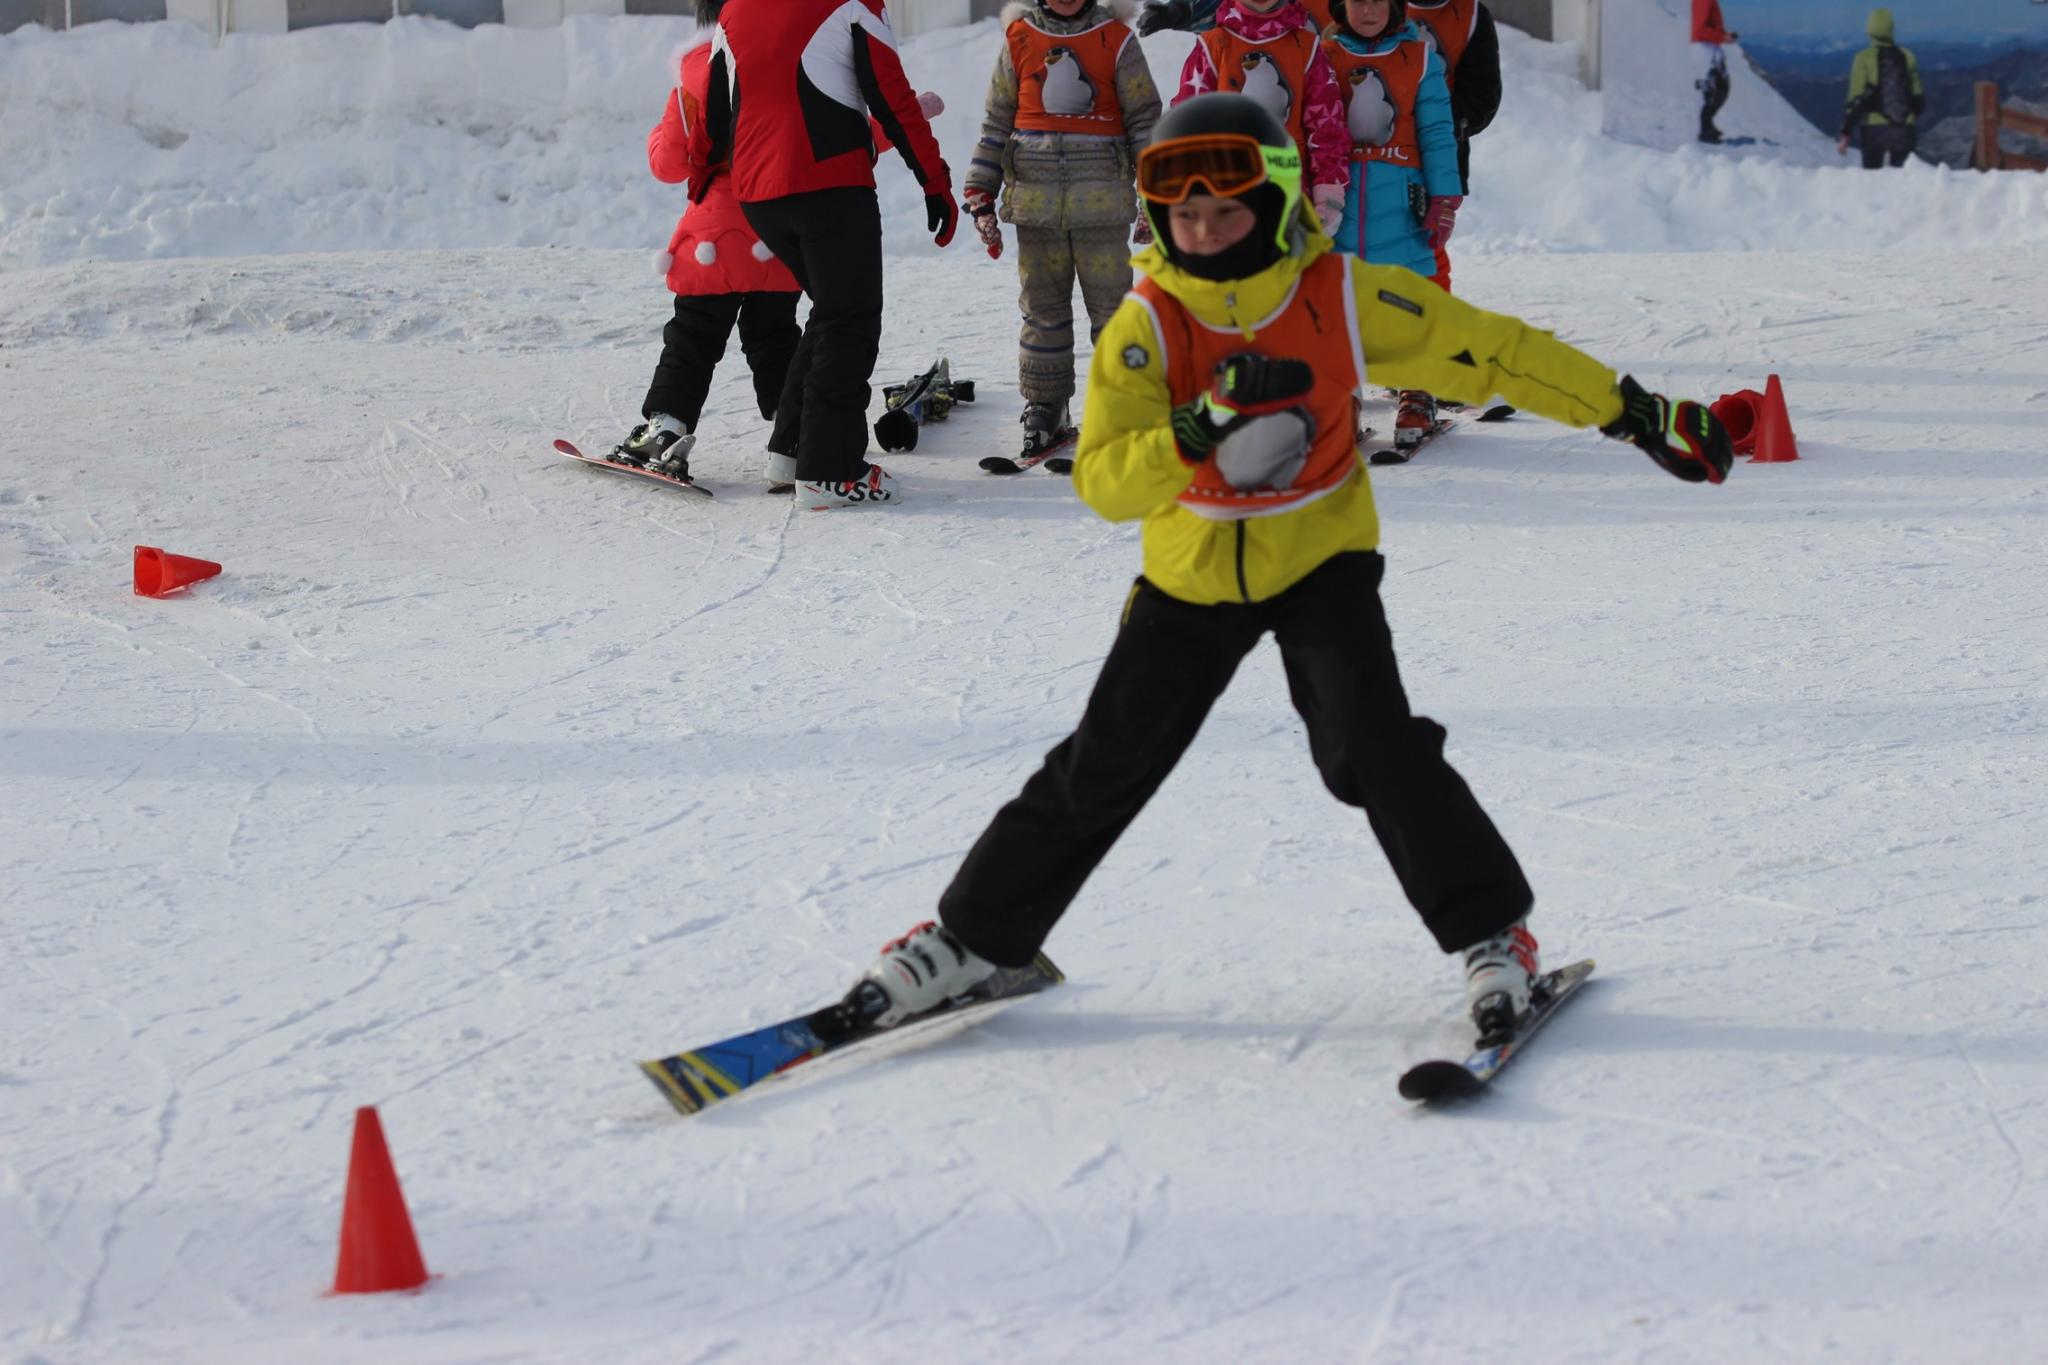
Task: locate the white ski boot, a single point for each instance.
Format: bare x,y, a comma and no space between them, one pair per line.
876,488
923,970
780,473
1499,973
660,445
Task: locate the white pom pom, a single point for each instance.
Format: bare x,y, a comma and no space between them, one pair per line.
662,261
762,253
705,253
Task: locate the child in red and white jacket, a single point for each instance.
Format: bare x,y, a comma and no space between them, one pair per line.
721,274
1271,50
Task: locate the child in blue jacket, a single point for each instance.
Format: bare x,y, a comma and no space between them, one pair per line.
1403,205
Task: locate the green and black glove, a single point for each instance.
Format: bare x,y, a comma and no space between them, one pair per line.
1683,437
1250,422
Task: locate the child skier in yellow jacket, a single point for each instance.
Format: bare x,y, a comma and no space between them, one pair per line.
1219,414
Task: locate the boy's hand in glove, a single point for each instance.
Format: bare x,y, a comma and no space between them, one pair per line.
1683,437
1175,14
981,207
1251,423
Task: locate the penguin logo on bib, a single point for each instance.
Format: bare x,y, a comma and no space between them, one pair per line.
1067,87
1263,82
1370,116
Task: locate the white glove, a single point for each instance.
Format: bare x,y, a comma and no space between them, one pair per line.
929,101
1329,206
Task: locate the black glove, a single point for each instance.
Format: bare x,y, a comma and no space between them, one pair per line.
1683,437
1250,422
1177,14
941,214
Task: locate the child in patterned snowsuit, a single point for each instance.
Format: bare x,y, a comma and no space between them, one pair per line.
1069,107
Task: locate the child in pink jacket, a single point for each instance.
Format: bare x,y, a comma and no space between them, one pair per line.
1271,50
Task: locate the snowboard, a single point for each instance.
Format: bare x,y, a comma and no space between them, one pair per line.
1433,1081
569,449
928,397
1500,412
693,1081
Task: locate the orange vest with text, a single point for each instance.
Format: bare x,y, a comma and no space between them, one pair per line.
1066,82
1451,22
1400,70
1236,57
1318,323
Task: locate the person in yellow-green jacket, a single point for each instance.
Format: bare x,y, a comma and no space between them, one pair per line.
1885,98
1219,414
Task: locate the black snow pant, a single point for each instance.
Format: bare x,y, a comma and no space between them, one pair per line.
1170,662
1887,142
694,340
831,240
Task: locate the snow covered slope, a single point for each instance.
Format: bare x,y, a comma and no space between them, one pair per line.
478,775
1648,97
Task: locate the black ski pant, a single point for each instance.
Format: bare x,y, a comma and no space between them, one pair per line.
831,240
1887,142
1170,662
694,340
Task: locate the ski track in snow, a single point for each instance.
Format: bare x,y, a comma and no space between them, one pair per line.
478,775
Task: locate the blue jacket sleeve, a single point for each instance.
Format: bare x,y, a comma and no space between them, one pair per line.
1438,132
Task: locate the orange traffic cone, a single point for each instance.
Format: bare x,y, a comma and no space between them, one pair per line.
158,572
378,1250
1737,412
1775,443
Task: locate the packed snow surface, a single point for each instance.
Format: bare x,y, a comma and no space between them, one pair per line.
478,775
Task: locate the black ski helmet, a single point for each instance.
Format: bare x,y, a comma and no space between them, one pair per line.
1276,201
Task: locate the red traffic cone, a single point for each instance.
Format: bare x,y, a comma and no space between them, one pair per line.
1775,443
1737,412
378,1250
158,573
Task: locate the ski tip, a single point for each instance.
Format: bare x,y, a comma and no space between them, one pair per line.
675,1091
1499,412
1045,964
568,448
1432,1082
1059,464
1386,457
997,464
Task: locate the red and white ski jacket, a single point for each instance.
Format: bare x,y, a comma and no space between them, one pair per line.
791,86
713,250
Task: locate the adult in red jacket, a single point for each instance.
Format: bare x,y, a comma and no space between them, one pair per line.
791,86
1710,63
721,274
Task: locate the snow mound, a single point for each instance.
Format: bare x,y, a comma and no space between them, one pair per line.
137,142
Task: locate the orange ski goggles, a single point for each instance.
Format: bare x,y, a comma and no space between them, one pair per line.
1224,164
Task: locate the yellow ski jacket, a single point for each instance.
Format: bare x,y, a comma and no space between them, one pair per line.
1412,335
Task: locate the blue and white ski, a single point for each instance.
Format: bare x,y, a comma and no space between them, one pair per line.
695,1080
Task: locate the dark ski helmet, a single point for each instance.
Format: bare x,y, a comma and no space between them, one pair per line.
1232,147
1397,15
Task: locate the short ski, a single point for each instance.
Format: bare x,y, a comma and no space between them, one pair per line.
1447,1080
1500,412
1053,456
692,1081
688,485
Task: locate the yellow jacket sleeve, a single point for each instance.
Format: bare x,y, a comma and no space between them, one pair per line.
1415,336
1127,465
